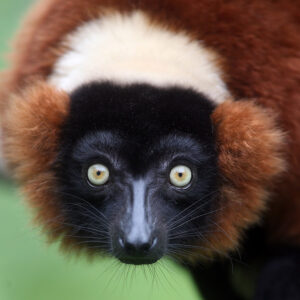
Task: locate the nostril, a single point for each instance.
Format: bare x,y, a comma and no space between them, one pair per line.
154,242
149,245
145,247
121,242
130,247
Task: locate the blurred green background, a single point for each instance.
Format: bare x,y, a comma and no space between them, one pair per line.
32,270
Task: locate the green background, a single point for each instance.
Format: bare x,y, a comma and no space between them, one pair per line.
31,269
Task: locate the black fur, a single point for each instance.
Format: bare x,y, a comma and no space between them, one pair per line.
260,272
140,111
280,276
138,131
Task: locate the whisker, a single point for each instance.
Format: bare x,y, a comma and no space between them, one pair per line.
190,206
82,199
227,235
195,218
187,216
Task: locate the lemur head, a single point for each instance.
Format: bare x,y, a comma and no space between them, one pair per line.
137,170
140,172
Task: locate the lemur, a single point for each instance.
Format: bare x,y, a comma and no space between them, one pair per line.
153,128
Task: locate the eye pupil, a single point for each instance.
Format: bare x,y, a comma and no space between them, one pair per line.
181,176
98,174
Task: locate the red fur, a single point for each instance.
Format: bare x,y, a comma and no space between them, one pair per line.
259,44
31,127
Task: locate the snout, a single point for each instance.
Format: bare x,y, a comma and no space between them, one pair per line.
138,239
139,251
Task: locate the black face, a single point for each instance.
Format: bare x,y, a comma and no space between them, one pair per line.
137,170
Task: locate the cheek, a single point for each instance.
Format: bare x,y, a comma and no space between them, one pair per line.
189,222
184,218
81,207
87,225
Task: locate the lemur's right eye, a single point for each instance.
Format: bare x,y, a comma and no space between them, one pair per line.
181,176
98,174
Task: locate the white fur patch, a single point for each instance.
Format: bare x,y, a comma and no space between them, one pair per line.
129,49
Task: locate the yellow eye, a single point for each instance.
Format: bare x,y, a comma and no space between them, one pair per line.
181,176
98,174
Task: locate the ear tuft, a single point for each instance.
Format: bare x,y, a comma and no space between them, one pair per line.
250,158
31,127
32,123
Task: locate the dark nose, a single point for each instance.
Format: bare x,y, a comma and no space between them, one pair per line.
137,248
139,252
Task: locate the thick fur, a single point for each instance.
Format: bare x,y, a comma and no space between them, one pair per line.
250,157
280,277
254,48
257,44
248,163
132,49
32,126
260,59
109,124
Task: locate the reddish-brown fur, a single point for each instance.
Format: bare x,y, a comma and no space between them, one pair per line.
259,44
250,158
31,129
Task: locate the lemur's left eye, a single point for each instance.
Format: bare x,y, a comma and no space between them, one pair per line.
181,176
98,174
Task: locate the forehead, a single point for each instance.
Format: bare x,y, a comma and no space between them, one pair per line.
140,158
138,113
112,143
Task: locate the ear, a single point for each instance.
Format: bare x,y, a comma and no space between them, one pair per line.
250,158
31,128
32,124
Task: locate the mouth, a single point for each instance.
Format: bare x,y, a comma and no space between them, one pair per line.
138,260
